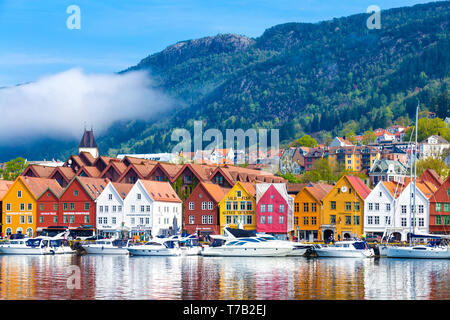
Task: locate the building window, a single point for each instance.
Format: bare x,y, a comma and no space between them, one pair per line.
8,219
370,206
106,208
239,193
22,207
41,219
296,207
55,206
313,221
133,208
235,205
65,206
413,222
305,221
75,193
22,219
269,219
228,219
313,207
41,207
242,205
86,219
377,220
281,208
72,206
356,218
210,219
66,219
71,219
387,220
191,205
147,220
420,208
147,208
86,206
437,220
403,209
296,221
438,206
132,221
348,219
388,207
348,206
281,220
30,207
228,205
356,206
110,196
19,194
270,208
139,196
191,219
142,208
333,205
203,205
141,221
210,205
8,207
305,207
204,219
55,219
446,207
369,220
114,220
421,222
262,219
332,219
114,208
249,205
249,219
377,207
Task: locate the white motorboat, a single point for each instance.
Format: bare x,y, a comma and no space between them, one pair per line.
35,246
189,245
299,249
345,249
156,247
419,252
107,246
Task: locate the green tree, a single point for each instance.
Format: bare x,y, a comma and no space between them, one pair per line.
435,164
369,137
13,169
428,127
305,141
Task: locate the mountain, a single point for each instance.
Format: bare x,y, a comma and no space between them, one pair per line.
326,78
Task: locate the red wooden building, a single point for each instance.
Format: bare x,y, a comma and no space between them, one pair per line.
201,210
77,202
47,208
440,209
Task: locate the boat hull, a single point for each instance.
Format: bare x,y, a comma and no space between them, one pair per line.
105,250
408,252
193,251
245,252
27,251
154,252
325,252
297,252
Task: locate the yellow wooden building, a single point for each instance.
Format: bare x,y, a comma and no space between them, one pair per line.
343,209
308,211
19,204
238,207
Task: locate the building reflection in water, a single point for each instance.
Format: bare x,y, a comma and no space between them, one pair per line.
229,278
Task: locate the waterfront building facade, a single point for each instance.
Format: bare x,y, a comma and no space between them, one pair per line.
440,209
343,208
238,207
274,210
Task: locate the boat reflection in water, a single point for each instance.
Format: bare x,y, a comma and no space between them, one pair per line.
202,278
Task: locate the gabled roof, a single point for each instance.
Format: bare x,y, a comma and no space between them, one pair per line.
87,158
118,166
319,190
141,170
39,170
90,171
38,186
122,188
249,187
66,172
4,187
431,176
160,191
394,188
214,190
359,186
261,189
93,186
440,139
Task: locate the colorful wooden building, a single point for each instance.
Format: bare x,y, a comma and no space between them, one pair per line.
238,207
440,209
308,211
274,210
201,209
20,202
343,209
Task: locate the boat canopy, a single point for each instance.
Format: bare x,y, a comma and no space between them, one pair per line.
430,236
239,233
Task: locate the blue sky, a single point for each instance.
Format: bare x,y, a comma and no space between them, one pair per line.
116,34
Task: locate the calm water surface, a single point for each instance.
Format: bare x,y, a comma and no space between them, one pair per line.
196,277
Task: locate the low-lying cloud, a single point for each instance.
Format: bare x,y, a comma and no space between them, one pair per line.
60,105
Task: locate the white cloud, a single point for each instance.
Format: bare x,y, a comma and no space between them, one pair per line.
59,105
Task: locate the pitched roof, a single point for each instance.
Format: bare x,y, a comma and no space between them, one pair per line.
250,187
295,187
4,187
89,158
93,186
394,188
214,190
160,191
319,190
39,170
359,186
66,172
122,188
91,171
38,185
431,176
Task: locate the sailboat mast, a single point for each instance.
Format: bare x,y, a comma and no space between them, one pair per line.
415,167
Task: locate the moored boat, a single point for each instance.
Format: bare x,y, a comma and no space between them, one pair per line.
345,249
107,246
156,247
34,246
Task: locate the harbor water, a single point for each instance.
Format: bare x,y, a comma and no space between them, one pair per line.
62,277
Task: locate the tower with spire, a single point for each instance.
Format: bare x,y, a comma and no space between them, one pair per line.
88,144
